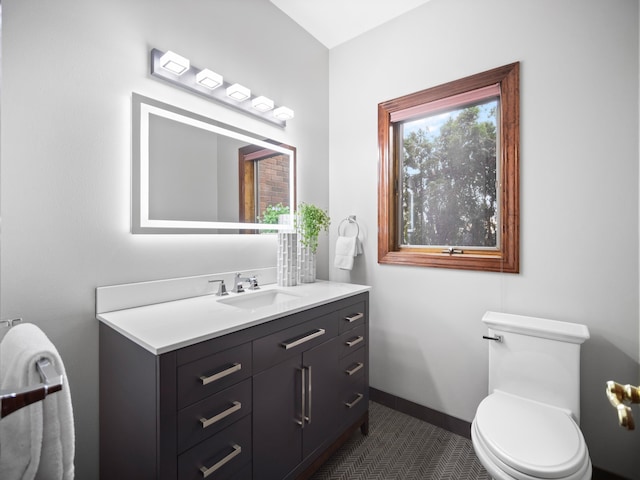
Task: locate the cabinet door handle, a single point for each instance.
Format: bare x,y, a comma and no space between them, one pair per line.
309,395
217,376
206,422
355,341
359,397
302,398
290,344
358,367
354,317
208,471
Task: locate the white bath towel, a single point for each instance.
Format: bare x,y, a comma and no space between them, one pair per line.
346,250
37,441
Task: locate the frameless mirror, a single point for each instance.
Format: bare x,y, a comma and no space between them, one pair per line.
192,174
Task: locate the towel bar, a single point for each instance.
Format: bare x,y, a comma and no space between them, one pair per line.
12,400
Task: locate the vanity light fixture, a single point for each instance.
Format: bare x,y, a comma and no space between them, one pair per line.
174,63
176,69
238,92
262,104
283,113
209,79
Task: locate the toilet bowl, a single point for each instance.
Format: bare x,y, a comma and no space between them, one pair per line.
527,428
516,438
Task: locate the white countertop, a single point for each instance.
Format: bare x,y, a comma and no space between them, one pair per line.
167,326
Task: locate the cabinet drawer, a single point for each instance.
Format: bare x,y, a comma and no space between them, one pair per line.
354,401
352,340
279,346
222,456
352,316
209,416
353,368
199,379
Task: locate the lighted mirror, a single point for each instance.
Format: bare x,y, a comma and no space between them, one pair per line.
193,174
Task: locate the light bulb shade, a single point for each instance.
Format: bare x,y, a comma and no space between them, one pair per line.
174,63
262,104
238,92
283,113
209,79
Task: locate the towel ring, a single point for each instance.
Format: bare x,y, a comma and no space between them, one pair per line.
349,219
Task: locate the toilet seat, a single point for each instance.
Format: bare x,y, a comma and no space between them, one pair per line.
526,440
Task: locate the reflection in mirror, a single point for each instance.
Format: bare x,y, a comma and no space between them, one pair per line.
192,174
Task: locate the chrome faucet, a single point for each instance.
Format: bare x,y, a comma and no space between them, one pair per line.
238,281
222,288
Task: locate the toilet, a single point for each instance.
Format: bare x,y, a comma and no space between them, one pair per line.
528,426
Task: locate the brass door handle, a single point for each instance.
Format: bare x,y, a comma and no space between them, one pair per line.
617,395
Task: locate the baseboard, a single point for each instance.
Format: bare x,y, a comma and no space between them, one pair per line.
449,423
439,419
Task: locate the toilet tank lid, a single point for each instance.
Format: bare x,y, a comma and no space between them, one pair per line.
537,327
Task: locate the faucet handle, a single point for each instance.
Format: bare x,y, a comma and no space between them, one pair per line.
253,283
222,288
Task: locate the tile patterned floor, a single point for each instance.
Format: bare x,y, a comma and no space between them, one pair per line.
402,447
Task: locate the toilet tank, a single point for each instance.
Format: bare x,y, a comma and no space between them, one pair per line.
538,359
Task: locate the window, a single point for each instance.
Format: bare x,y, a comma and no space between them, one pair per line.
448,190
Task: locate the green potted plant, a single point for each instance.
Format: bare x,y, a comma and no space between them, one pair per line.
309,222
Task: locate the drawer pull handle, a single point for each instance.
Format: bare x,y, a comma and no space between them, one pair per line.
290,344
237,449
354,317
207,422
355,402
355,341
355,369
217,376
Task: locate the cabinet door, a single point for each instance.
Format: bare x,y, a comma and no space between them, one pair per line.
322,409
277,411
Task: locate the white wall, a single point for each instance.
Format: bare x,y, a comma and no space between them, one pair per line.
579,198
69,68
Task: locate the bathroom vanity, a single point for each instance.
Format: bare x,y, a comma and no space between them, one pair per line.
263,384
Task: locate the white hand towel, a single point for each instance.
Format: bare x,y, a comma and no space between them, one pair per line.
37,441
346,249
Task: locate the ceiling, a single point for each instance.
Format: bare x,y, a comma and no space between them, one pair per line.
333,22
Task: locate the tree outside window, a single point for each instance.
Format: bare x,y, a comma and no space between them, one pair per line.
448,174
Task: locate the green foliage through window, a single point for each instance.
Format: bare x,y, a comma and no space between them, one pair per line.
449,178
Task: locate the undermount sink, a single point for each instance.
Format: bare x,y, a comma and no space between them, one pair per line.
254,300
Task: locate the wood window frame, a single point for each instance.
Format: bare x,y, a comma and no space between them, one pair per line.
247,158
507,257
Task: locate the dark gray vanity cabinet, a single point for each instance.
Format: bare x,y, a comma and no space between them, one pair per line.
298,401
266,402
